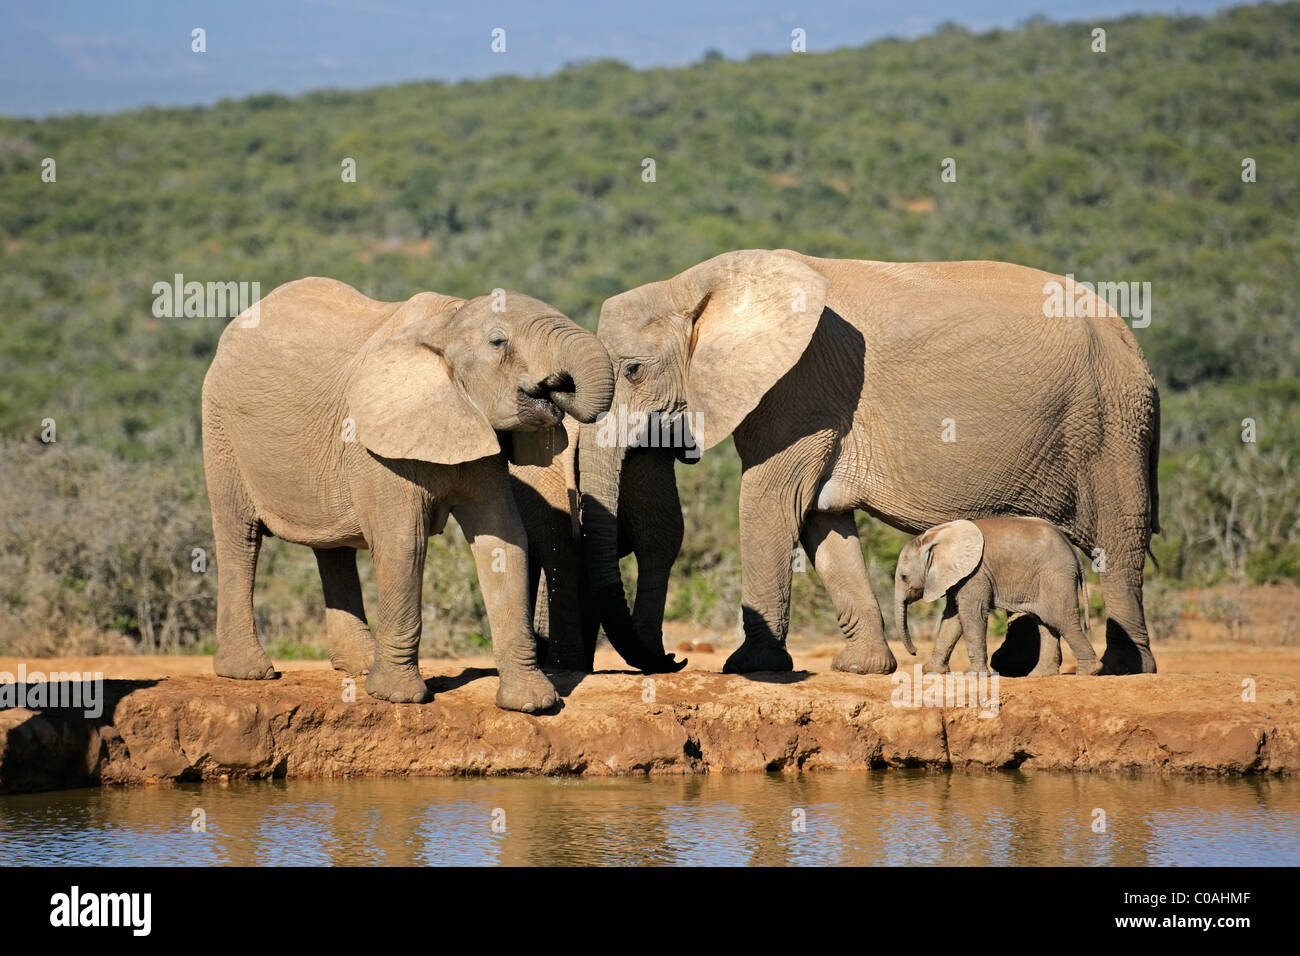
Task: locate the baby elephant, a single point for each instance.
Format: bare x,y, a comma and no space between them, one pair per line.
1017,564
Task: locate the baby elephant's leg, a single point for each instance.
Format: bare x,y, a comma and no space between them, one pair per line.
945,640
975,627
1069,628
1049,653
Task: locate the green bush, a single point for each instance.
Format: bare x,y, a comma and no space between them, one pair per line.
1067,160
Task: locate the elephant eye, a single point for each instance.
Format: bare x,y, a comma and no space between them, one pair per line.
497,341
631,370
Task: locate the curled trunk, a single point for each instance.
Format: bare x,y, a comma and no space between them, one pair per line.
583,384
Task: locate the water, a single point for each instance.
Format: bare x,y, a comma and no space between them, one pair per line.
893,817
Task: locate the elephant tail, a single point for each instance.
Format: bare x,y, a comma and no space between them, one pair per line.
1153,467
1087,601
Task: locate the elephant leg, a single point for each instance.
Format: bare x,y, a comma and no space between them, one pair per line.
1067,626
831,540
559,604
558,610
975,628
769,529
946,641
496,536
651,512
1049,653
1128,645
399,573
588,618
540,601
238,539
1020,650
352,647
542,501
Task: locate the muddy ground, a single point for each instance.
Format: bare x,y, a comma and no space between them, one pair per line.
169,719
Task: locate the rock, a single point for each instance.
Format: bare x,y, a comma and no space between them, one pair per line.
192,727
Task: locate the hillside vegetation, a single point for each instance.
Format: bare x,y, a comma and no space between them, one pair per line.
1122,166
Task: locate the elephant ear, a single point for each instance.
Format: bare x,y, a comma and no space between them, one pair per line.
538,448
405,399
756,312
954,551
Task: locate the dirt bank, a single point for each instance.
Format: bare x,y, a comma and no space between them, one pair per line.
168,719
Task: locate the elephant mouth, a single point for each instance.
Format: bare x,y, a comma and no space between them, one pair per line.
539,410
547,404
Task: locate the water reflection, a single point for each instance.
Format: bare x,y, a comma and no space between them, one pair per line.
892,818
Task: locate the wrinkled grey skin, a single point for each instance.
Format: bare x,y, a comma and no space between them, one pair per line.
545,476
340,422
1025,566
839,380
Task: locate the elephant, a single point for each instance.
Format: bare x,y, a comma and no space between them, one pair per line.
340,422
1021,565
544,475
919,392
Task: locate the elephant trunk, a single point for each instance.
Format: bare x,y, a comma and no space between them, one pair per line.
601,466
900,619
582,384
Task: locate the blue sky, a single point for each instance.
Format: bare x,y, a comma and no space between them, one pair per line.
107,55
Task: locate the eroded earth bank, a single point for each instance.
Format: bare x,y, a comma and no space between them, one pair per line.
169,719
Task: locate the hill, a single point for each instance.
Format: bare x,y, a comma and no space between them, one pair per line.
1119,166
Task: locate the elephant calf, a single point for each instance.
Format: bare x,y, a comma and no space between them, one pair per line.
1017,564
339,422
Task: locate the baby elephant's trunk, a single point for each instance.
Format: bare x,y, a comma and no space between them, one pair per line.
900,620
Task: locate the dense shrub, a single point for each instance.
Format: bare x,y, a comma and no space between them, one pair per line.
1097,165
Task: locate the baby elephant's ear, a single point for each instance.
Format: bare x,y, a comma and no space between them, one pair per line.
955,551
406,402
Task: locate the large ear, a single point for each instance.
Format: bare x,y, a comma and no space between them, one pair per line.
755,314
954,550
538,448
404,399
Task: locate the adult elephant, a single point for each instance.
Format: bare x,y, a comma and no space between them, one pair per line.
545,474
339,422
918,392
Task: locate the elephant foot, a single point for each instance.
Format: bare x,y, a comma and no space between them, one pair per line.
246,663
1088,668
1130,659
527,690
934,667
753,657
1045,670
859,657
353,654
399,684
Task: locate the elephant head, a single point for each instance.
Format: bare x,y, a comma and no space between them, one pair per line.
932,563
703,348
442,376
